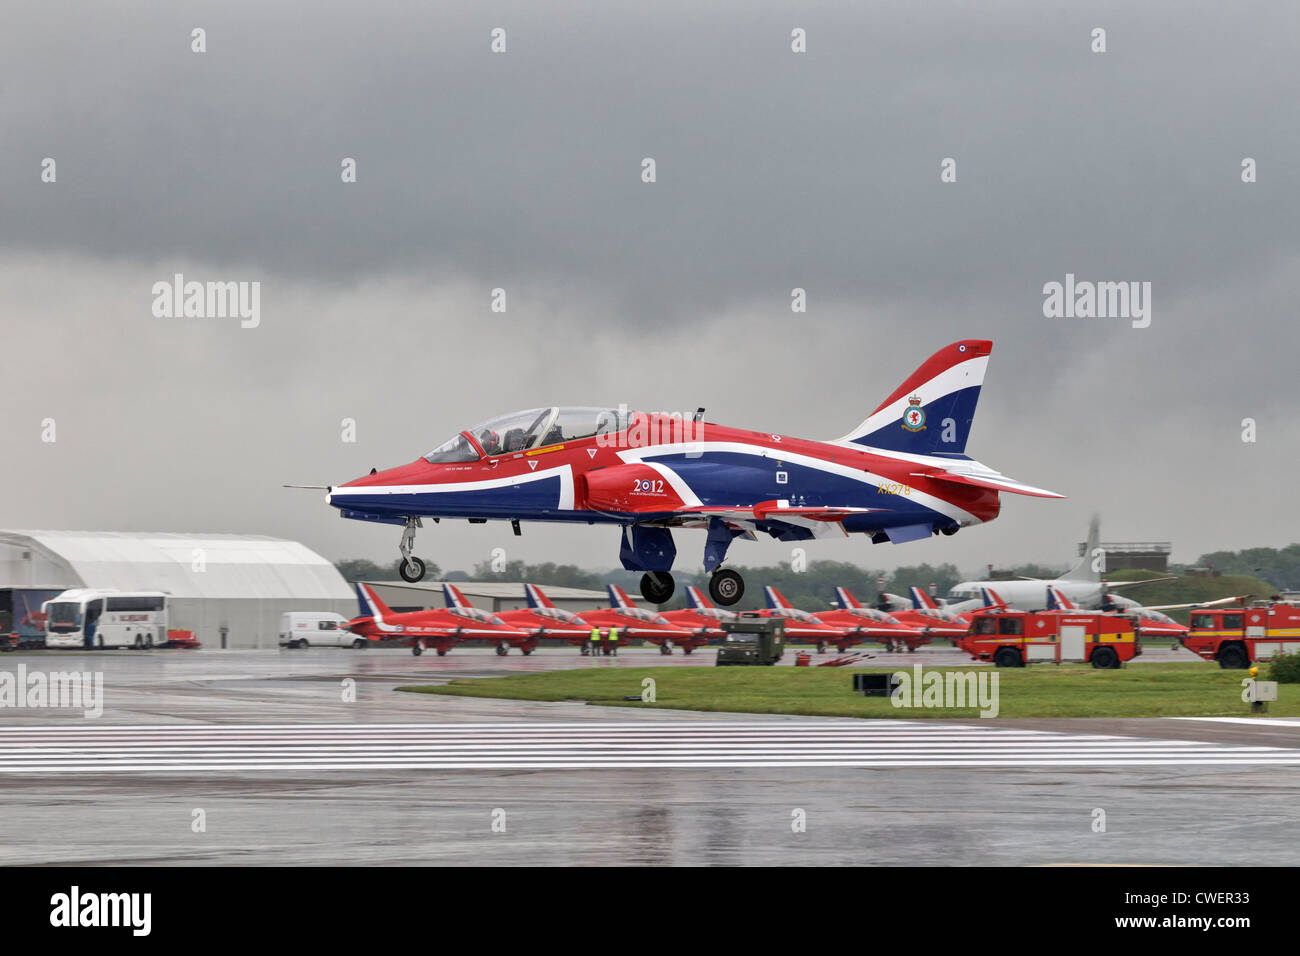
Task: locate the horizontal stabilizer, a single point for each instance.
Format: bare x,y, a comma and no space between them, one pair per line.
991,480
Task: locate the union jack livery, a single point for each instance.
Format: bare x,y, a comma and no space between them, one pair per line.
901,475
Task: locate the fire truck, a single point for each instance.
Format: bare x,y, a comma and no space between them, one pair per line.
1012,638
1238,636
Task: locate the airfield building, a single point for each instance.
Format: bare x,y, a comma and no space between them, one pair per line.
228,589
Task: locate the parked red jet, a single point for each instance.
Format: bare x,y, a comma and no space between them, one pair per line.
700,617
900,475
699,632
931,622
633,623
800,625
566,626
540,623
862,624
1149,621
439,629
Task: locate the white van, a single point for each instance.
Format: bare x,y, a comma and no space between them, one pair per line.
317,629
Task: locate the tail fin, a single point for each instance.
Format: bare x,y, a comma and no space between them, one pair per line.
922,601
370,604
992,598
1083,571
931,412
618,597
1057,601
453,596
695,598
846,598
775,598
536,598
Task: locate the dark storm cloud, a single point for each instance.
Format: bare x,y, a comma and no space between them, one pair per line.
774,170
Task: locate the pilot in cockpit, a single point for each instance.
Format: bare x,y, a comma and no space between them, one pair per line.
490,441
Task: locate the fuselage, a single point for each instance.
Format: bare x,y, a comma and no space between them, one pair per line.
1031,595
626,477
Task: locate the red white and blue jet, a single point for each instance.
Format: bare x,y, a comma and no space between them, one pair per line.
901,475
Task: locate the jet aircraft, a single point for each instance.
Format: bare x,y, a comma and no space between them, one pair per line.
900,475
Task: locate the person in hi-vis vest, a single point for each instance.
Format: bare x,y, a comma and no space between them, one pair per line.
593,642
611,642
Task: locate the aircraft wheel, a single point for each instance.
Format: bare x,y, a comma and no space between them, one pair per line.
411,570
687,649
584,650
726,587
665,649
442,652
821,647
502,650
657,588
526,651
359,643
417,650
911,648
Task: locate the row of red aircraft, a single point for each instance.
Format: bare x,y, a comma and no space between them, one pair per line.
688,628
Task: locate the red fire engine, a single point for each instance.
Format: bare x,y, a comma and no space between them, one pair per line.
1237,636
1016,638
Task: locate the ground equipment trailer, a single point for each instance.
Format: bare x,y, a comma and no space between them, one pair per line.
751,639
1238,636
1011,638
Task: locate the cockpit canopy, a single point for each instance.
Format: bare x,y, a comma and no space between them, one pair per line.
532,428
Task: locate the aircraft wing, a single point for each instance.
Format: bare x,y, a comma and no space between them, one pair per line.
776,509
1173,607
800,522
1116,585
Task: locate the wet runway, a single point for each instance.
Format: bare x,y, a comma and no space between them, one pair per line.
312,758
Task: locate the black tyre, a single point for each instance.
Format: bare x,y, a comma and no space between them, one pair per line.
359,643
417,650
502,650
1007,657
665,649
1233,657
821,647
442,652
657,588
411,570
139,642
1104,658
687,649
526,651
726,587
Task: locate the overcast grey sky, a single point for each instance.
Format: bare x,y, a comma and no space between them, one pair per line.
522,171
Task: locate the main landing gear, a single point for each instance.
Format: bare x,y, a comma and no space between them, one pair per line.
411,568
726,587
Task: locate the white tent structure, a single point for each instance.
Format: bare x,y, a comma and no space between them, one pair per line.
239,583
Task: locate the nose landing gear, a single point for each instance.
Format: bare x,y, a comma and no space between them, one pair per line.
411,568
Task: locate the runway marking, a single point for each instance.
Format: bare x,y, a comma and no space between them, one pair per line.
1253,721
594,744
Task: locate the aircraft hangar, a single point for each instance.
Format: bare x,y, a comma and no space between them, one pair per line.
229,589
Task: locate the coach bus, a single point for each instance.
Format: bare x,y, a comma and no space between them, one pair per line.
102,618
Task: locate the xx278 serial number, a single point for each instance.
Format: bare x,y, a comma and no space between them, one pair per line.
894,488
